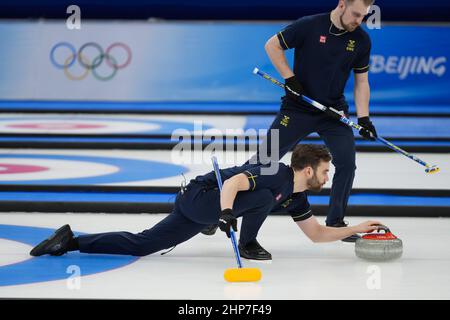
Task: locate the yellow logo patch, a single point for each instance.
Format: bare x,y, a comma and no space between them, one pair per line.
351,45
286,203
285,121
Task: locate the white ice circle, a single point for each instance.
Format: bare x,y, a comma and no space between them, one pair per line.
13,252
57,126
58,169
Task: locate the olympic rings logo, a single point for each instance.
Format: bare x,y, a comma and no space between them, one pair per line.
90,64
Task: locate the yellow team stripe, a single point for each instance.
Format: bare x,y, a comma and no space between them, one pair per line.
253,179
302,215
362,68
284,41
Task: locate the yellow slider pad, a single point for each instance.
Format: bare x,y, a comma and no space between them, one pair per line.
242,275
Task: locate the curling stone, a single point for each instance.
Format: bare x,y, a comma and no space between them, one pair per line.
379,246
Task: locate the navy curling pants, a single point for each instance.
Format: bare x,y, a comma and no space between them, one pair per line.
294,124
195,209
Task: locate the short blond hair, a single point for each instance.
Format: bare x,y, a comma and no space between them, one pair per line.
366,2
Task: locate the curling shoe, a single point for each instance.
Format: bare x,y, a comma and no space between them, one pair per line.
254,251
56,244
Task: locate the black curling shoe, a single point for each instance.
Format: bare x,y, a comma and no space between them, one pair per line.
56,244
254,251
341,224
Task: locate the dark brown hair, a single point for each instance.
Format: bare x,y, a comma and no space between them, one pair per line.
309,155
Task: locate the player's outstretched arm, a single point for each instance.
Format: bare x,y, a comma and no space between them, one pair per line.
319,233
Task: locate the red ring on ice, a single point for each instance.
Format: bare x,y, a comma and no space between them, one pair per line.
56,126
20,168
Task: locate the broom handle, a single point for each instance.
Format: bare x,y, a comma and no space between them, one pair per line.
232,234
335,114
